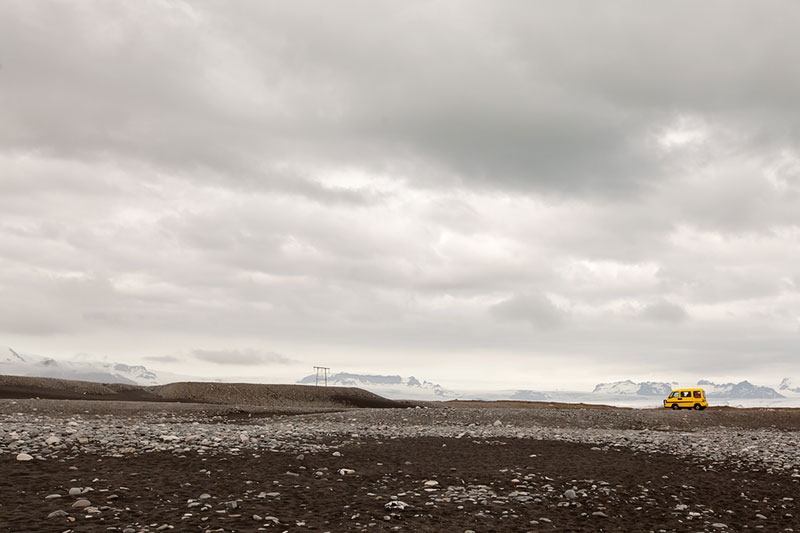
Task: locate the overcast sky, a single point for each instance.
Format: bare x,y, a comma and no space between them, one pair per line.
505,194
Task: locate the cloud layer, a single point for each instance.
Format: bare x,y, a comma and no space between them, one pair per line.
609,187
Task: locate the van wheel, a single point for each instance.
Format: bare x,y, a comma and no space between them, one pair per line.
675,406
698,407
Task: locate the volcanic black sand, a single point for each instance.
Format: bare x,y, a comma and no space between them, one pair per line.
642,490
150,466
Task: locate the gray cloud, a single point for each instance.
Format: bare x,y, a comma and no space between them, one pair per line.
502,97
287,178
163,358
664,311
536,309
241,357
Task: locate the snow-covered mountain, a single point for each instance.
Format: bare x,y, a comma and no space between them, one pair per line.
410,388
14,363
788,388
394,387
743,389
622,393
628,388
530,396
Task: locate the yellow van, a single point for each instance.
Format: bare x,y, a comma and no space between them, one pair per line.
687,398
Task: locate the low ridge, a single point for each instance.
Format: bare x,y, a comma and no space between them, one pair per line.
195,392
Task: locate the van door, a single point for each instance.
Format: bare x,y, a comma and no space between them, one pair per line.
674,397
686,399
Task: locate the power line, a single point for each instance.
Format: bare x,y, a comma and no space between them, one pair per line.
322,370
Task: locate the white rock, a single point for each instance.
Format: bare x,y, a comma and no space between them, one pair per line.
399,505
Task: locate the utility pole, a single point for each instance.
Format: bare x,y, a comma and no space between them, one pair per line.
323,370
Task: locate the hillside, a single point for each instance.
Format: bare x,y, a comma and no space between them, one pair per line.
196,392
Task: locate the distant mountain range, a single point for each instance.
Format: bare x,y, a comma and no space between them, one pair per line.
787,387
411,388
395,386
741,390
628,387
389,386
625,392
530,396
14,363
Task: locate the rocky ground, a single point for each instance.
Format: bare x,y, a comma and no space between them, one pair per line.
148,466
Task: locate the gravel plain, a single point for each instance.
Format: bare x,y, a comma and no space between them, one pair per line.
149,466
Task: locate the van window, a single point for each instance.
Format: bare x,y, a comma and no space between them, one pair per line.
674,394
697,394
685,394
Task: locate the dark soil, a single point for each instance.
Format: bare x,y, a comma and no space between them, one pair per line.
637,491
23,391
